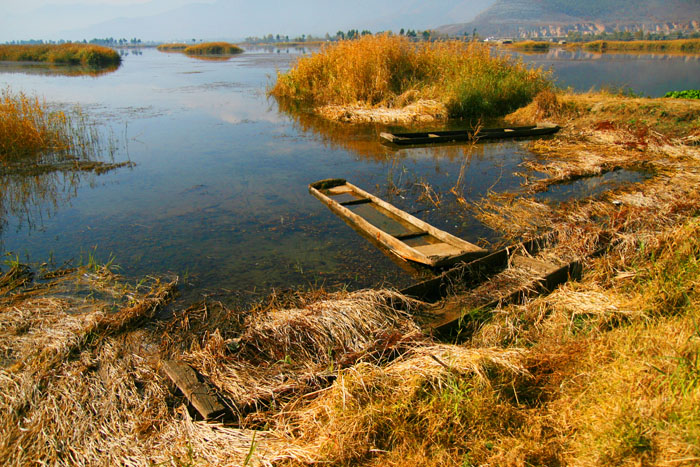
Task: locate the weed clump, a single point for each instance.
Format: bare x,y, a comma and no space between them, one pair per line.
675,46
213,48
65,54
463,79
28,127
172,47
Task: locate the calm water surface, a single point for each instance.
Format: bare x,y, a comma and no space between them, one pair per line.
218,191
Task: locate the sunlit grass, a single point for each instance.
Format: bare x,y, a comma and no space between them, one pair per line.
68,54
172,47
29,128
532,46
213,48
391,71
32,131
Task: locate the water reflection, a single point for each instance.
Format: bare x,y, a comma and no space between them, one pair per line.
46,69
651,74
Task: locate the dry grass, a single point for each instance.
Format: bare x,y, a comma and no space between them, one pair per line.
529,46
442,79
213,48
603,371
68,54
172,47
678,46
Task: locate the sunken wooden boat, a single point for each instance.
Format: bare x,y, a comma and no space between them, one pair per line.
432,137
401,233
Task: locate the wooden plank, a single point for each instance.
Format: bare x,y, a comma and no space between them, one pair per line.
474,271
356,202
452,319
409,236
535,265
438,249
199,394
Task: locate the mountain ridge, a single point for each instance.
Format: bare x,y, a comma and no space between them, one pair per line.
554,18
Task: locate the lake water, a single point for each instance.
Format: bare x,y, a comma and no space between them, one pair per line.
218,190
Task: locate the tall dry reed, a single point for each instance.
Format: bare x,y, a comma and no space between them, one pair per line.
391,71
69,54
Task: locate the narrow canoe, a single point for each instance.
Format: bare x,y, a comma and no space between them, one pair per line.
432,137
401,233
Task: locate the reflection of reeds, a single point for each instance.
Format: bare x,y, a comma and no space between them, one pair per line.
213,48
172,47
530,46
678,46
464,79
41,153
68,54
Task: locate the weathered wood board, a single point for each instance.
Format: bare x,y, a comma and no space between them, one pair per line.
199,394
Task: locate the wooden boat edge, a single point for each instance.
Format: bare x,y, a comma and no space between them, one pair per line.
398,247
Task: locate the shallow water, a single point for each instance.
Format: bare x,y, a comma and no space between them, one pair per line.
218,193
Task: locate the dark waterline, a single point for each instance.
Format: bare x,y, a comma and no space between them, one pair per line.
218,194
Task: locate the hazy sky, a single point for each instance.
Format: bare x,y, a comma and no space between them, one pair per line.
211,19
23,6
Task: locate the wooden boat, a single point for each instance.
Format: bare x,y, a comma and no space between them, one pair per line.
432,137
401,233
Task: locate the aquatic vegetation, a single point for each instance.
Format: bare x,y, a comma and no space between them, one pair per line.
213,48
30,129
687,94
445,79
42,153
531,46
67,54
172,47
674,46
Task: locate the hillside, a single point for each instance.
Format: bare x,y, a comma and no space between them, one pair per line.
542,18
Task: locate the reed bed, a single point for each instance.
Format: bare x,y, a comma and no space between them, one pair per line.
213,48
172,47
306,344
67,54
440,80
530,46
691,46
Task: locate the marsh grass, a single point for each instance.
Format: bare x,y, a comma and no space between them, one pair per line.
172,47
530,46
453,79
43,152
213,48
67,54
691,46
29,128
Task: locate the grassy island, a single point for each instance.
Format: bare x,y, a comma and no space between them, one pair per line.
172,47
687,46
412,81
213,48
530,46
203,50
64,54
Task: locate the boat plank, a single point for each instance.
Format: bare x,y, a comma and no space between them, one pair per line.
199,394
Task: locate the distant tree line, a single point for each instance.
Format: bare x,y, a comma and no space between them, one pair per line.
342,35
638,35
108,41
